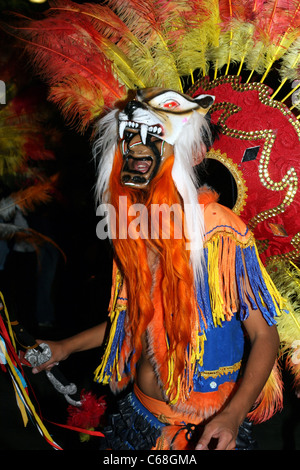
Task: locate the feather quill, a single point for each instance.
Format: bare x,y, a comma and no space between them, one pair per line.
117,46
152,22
289,69
114,35
197,34
277,26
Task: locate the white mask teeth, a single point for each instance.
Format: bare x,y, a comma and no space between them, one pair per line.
144,132
143,129
122,125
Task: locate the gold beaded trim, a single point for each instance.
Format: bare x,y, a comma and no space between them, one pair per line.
290,180
215,154
223,370
244,241
291,255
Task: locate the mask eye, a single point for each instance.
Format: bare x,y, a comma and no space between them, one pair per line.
171,104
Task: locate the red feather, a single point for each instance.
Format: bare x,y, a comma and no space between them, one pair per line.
89,414
65,49
242,10
148,20
272,18
276,19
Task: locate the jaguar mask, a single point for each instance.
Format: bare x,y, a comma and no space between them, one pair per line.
149,128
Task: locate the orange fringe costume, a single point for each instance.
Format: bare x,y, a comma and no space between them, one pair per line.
214,359
178,432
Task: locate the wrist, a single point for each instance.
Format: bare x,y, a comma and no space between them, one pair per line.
66,348
237,411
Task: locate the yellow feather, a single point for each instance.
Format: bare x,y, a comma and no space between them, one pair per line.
286,276
123,65
275,52
290,61
242,42
156,67
193,54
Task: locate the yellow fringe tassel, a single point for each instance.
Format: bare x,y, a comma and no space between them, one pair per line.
221,265
100,374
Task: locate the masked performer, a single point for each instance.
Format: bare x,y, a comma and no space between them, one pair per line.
192,324
188,289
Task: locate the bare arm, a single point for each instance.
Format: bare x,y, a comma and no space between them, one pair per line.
61,350
264,347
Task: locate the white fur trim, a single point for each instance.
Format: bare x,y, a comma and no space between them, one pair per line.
105,147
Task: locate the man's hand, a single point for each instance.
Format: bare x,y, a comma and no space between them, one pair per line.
61,350
57,354
220,433
224,427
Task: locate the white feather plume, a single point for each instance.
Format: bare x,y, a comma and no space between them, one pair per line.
189,144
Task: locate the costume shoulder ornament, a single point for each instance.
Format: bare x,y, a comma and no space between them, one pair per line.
244,53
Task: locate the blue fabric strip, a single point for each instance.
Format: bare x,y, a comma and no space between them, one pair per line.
263,300
203,299
117,342
246,266
141,410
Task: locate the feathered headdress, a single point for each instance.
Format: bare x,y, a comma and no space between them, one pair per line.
246,53
91,55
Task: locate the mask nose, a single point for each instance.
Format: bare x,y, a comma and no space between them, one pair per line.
132,106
